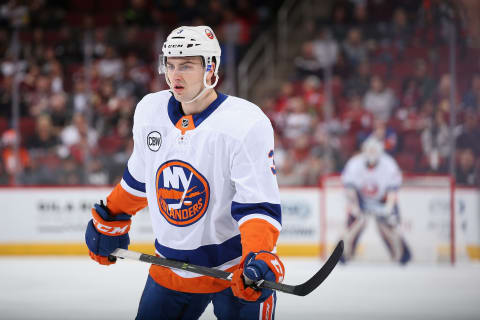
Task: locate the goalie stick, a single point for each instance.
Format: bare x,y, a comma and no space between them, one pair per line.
299,290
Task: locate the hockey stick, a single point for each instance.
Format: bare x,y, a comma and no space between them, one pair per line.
299,290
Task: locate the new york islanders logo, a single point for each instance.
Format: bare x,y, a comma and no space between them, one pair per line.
182,193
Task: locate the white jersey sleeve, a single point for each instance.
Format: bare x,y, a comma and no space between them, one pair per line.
350,173
254,177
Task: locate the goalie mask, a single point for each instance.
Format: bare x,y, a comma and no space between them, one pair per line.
193,42
372,149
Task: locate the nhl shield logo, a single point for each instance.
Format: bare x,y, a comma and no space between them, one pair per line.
154,141
183,193
185,122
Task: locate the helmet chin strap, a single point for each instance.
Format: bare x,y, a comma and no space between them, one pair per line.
205,86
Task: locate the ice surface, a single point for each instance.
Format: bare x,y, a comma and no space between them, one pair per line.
77,288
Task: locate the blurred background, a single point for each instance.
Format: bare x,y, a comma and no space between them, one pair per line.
328,74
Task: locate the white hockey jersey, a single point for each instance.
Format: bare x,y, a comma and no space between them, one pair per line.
372,183
203,175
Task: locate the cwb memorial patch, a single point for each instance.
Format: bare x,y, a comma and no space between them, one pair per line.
154,140
182,193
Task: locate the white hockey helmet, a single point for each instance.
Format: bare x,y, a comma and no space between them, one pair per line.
372,149
193,41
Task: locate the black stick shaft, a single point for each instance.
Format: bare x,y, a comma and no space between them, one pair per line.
300,290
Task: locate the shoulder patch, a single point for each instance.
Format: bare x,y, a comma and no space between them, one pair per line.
154,141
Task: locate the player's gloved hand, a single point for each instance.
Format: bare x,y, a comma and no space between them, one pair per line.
106,232
257,266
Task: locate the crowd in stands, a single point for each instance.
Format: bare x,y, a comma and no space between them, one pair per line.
389,66
390,78
76,125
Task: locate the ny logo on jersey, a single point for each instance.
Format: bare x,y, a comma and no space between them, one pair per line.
182,193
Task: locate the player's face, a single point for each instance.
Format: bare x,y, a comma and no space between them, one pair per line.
186,76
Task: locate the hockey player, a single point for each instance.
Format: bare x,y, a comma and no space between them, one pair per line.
203,163
371,180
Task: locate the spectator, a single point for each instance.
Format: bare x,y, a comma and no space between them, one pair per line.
340,20
79,132
435,144
410,98
312,93
355,117
359,82
44,138
71,173
110,66
379,100
325,48
470,133
307,63
442,95
96,172
325,157
58,111
422,80
297,122
364,24
399,31
471,99
385,134
467,173
354,47
289,174
14,168
79,96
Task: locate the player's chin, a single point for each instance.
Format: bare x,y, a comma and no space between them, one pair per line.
179,96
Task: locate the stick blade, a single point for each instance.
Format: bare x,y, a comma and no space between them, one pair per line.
322,274
312,283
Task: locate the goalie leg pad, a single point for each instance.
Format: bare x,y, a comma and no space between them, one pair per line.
355,226
394,241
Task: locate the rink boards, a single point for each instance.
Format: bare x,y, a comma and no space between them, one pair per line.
53,220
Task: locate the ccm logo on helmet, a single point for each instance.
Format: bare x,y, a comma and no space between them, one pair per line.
183,193
175,46
209,33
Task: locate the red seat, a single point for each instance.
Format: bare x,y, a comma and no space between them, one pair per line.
406,161
348,144
110,144
379,69
27,128
412,143
413,53
3,125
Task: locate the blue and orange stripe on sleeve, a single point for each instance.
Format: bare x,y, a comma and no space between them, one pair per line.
259,224
121,201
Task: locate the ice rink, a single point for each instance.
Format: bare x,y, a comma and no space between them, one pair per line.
77,288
